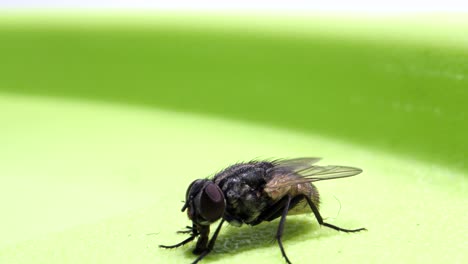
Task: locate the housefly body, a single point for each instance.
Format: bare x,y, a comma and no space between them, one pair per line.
254,192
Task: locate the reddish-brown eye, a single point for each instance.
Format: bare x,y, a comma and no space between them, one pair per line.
212,203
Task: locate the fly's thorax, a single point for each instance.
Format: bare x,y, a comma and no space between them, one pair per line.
243,191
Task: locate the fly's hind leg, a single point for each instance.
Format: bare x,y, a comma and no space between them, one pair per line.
321,222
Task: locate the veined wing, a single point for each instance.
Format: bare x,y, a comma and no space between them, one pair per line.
302,170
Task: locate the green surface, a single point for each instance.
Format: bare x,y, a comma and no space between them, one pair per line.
104,124
88,183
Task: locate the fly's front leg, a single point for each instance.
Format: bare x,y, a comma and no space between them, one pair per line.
193,235
210,244
188,231
202,241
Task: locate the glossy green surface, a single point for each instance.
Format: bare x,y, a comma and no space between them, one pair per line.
93,165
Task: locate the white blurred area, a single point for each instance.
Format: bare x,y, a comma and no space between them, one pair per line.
253,5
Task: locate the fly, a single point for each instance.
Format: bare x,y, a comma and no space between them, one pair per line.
254,192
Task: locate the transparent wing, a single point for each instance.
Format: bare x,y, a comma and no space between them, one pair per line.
295,164
320,173
302,170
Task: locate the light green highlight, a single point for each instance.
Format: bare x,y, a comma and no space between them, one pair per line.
97,183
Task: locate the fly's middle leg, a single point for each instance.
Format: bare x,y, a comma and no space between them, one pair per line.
279,233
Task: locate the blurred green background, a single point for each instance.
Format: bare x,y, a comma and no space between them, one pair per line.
369,87
107,118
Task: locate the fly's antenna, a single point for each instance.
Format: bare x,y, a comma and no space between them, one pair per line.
186,203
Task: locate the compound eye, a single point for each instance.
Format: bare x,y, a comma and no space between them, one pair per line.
212,203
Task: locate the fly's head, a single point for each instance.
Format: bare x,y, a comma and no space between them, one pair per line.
204,202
